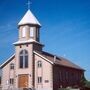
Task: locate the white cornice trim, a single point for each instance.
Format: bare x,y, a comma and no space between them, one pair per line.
27,41
43,57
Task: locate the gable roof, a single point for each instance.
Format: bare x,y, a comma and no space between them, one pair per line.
58,60
29,18
43,57
53,59
7,61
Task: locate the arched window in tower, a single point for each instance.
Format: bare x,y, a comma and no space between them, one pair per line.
31,32
37,34
24,32
23,59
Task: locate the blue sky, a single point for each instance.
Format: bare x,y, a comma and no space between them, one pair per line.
65,28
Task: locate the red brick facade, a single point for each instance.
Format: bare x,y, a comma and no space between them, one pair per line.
66,77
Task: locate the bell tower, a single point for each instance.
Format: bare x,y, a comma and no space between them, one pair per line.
29,30
29,27
28,41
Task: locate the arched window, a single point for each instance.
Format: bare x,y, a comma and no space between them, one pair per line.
39,63
23,59
12,66
24,32
31,32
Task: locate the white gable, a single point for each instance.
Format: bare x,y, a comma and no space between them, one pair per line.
29,18
43,57
7,61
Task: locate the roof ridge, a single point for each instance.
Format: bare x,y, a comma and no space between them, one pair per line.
64,61
58,57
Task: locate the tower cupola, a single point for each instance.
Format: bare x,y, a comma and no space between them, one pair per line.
29,19
29,31
29,27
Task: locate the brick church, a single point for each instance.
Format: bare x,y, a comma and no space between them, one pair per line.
31,67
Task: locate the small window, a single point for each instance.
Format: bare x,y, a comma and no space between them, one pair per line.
46,81
39,64
39,79
60,75
24,32
0,80
11,66
67,75
31,31
20,46
11,81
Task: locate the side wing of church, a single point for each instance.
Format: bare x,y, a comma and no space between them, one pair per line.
31,67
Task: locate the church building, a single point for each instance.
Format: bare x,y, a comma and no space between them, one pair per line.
31,67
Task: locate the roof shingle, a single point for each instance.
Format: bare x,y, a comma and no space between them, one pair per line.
60,60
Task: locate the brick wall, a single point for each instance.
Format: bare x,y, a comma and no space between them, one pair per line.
65,77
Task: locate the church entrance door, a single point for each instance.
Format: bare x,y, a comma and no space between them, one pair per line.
22,81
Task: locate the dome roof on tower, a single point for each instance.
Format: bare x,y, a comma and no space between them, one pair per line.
29,18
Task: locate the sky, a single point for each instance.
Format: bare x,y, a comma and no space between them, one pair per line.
65,28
